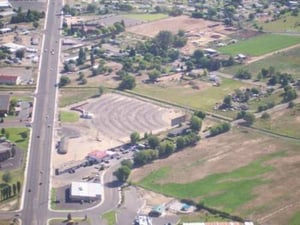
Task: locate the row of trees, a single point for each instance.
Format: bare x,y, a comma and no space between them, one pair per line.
29,16
219,128
9,190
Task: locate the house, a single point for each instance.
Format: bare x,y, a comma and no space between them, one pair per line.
9,80
4,105
85,191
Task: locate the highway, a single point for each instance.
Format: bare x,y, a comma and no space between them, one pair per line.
36,190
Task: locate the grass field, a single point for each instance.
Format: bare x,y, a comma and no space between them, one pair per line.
70,96
70,117
16,135
186,96
261,45
110,217
295,219
288,62
226,190
146,16
286,122
287,23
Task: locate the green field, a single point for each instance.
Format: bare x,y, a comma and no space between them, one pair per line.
226,190
295,219
146,16
74,95
69,117
186,96
110,217
260,45
288,62
287,23
285,124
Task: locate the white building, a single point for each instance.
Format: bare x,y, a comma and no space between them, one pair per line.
85,191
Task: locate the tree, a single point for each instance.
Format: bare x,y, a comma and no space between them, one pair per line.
6,177
164,39
18,186
227,101
128,82
2,130
35,24
134,137
122,173
196,123
69,217
81,57
153,75
189,65
20,53
64,80
92,58
249,118
127,162
100,90
153,141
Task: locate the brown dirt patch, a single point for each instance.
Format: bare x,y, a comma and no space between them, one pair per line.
200,32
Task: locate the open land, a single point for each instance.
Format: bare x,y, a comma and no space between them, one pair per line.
200,32
258,171
284,61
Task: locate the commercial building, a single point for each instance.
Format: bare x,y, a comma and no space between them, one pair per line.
98,156
10,80
85,191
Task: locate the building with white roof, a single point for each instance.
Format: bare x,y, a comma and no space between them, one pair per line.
5,4
85,191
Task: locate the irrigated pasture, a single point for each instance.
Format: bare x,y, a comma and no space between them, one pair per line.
260,45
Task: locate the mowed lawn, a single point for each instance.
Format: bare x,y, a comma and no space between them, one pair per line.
260,45
228,191
70,117
286,62
286,122
185,96
146,16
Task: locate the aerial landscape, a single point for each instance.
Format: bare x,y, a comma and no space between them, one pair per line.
157,112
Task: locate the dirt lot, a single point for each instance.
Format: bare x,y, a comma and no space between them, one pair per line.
223,154
200,32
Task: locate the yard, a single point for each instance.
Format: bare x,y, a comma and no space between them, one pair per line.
260,45
240,172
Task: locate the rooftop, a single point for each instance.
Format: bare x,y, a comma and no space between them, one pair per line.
86,189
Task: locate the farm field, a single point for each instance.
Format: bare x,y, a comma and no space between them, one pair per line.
286,24
203,98
287,61
146,16
285,122
253,176
260,45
